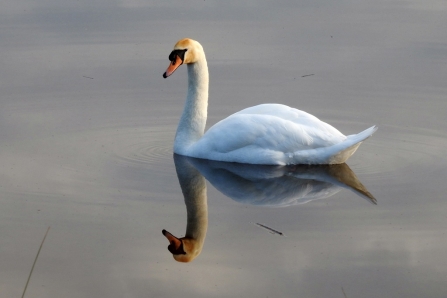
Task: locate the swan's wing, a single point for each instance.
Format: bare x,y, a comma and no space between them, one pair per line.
276,134
294,115
261,138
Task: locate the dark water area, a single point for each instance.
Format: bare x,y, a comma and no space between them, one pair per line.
86,133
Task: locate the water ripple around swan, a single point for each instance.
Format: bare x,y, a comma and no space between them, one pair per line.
145,147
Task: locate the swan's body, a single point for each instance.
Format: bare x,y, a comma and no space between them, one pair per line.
270,134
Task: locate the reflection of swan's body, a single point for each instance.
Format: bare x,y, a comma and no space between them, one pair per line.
194,190
265,134
279,186
253,184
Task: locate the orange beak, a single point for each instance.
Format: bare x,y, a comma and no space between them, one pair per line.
173,66
176,245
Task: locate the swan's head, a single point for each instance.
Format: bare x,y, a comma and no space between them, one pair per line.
183,249
186,51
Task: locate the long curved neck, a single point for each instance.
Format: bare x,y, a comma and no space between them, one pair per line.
193,120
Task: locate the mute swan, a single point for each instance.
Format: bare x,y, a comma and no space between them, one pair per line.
269,134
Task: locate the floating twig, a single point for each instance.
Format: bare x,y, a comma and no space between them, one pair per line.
87,77
308,75
35,260
270,229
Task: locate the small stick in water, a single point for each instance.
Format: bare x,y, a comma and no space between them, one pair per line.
270,229
308,75
35,260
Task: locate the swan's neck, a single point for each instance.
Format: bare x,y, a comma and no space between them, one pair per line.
193,120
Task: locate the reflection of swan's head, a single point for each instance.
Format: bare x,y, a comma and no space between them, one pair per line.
185,51
183,249
193,186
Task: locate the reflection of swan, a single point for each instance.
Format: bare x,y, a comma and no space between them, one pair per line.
265,134
252,184
279,185
193,187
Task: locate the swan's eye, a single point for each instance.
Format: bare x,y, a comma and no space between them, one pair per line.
179,53
172,56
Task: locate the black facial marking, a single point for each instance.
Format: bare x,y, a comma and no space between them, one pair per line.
179,53
176,251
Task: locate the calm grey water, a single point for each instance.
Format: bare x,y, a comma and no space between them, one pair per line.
86,132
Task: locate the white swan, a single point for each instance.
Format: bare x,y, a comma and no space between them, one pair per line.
270,134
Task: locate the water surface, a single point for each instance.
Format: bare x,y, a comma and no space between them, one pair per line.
87,125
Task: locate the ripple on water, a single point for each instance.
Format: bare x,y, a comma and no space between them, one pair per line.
146,146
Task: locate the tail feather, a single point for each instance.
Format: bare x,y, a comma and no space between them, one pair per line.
350,145
361,136
335,154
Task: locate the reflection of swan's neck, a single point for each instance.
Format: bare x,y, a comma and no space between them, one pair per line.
193,186
197,218
193,120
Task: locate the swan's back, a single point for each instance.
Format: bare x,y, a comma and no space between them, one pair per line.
293,115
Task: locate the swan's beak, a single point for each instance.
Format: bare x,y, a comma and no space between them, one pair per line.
176,246
173,66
